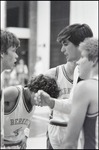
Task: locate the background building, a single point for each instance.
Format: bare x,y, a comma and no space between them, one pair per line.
37,24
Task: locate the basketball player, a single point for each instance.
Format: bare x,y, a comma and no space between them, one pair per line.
70,38
19,109
9,43
85,111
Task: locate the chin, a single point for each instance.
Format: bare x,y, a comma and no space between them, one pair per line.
12,68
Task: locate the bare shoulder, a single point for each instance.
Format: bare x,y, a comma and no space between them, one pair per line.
51,72
81,86
10,93
90,85
87,85
86,89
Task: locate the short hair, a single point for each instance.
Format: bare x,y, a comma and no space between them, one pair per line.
45,83
91,47
75,33
8,39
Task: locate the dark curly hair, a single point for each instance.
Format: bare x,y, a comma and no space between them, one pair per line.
45,83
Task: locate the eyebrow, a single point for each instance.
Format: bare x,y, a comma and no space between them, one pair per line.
65,42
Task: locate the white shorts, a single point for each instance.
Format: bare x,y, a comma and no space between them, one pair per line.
57,136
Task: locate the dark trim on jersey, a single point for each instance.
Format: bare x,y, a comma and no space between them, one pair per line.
11,143
25,104
56,75
57,72
65,74
79,79
90,132
93,115
16,104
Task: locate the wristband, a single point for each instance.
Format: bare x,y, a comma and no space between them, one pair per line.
26,132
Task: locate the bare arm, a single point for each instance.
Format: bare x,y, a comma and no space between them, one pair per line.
10,94
77,116
63,105
43,99
51,72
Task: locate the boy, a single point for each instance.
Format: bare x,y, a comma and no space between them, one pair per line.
85,111
20,106
9,43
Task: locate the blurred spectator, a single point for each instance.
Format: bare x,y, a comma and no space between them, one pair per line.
13,77
10,78
22,72
6,78
38,69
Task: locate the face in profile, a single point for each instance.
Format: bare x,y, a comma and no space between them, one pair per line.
70,51
10,58
84,66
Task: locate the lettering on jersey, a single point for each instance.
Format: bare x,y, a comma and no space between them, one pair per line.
65,91
20,121
16,132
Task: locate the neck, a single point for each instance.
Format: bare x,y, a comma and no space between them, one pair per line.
3,68
70,66
27,94
28,97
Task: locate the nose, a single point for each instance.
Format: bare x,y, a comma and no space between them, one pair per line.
63,49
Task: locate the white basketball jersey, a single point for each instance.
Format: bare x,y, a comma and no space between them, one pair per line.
57,133
65,84
17,119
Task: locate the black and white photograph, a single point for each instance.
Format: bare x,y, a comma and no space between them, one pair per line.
49,75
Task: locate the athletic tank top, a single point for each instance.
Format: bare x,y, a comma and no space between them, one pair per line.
65,84
91,131
17,120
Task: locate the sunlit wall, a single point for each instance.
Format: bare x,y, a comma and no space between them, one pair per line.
85,12
43,32
3,14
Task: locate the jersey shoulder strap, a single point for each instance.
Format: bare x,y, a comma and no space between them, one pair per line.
57,72
65,74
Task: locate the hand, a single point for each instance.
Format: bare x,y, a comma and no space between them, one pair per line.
43,99
23,144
